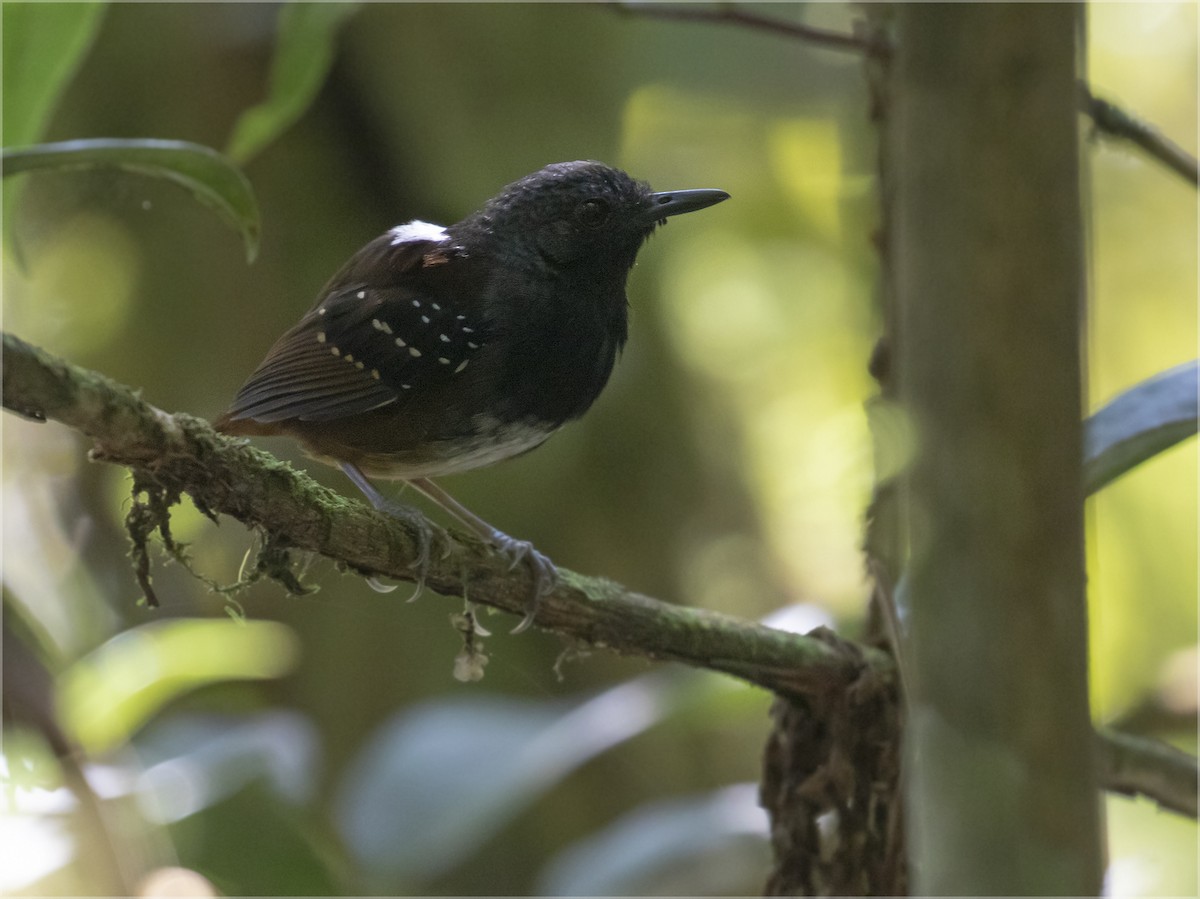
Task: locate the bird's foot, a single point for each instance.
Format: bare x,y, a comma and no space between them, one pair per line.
413,520
545,575
418,526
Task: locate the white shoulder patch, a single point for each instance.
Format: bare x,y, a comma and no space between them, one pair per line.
417,230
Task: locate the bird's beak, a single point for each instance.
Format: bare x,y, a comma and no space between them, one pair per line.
676,202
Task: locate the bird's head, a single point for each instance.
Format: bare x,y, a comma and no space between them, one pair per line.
582,214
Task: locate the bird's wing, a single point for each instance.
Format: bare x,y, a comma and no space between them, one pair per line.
385,328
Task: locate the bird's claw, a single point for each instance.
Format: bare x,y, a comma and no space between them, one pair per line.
545,575
423,534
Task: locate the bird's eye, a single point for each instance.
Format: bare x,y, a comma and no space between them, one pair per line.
592,212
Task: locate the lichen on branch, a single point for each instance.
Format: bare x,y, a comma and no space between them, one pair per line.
172,455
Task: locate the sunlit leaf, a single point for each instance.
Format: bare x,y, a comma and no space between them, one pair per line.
714,844
303,55
210,177
35,846
110,693
1140,423
44,43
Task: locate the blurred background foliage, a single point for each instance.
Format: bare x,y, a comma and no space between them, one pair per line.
289,746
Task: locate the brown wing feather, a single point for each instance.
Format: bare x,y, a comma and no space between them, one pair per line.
377,337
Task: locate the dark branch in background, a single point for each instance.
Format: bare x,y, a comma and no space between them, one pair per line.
1137,766
1128,764
177,454
1115,122
1108,118
732,14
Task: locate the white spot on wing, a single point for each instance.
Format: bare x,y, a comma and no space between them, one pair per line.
443,360
414,351
400,342
362,294
417,230
387,402
320,337
461,366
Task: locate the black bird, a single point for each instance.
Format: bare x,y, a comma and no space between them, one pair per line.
438,350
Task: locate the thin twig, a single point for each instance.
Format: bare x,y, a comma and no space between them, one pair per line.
729,13
1114,121
1107,116
1139,766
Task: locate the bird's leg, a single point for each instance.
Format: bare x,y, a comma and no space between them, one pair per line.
406,514
545,576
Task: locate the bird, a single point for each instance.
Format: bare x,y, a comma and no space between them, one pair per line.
436,350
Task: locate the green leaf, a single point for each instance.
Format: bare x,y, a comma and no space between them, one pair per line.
1140,423
210,177
303,55
224,753
438,780
110,693
44,43
714,844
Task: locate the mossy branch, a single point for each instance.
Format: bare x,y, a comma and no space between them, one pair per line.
183,454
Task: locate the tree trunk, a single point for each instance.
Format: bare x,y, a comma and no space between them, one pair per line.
987,255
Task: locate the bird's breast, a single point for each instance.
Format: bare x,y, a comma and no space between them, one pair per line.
556,353
487,441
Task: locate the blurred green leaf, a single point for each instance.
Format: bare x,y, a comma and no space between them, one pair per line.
1140,423
44,43
437,781
113,691
190,762
709,845
303,55
252,844
210,177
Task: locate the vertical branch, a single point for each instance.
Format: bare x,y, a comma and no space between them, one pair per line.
988,265
988,262
831,772
884,534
